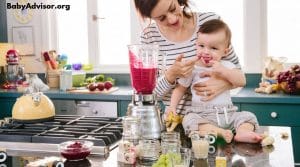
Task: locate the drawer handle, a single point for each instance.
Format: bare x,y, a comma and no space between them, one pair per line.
273,114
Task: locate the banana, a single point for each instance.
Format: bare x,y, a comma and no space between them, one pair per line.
172,121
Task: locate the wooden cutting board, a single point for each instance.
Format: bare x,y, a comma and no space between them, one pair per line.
87,91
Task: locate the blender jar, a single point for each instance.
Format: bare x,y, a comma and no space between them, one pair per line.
143,67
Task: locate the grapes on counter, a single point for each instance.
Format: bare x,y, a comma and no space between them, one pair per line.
288,79
165,160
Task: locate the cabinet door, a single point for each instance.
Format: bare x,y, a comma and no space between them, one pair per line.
296,145
122,108
275,114
6,106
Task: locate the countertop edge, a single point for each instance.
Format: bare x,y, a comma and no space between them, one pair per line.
244,95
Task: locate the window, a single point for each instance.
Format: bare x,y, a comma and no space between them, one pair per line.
114,31
72,32
284,29
97,32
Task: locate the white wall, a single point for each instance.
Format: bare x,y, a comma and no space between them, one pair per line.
39,24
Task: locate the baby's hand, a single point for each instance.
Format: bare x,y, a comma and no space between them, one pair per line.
217,68
172,119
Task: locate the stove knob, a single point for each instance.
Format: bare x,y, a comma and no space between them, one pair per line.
274,115
95,111
3,156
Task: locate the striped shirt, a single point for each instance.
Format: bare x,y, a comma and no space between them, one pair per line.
170,50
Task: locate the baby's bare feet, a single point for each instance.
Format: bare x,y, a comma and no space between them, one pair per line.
248,137
227,135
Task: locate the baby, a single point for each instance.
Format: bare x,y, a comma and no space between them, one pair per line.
219,115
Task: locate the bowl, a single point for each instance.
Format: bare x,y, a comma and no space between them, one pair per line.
76,149
78,78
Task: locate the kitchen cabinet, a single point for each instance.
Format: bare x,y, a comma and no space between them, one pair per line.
6,106
274,114
123,105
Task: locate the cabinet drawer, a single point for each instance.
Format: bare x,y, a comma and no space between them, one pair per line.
275,114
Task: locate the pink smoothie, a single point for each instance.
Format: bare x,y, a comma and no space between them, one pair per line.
143,79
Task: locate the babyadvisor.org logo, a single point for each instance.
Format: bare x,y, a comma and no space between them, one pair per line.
36,6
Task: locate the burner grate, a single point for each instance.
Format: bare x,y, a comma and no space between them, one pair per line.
101,130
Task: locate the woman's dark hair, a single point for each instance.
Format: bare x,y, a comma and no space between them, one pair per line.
145,7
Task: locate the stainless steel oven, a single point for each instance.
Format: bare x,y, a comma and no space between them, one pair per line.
87,108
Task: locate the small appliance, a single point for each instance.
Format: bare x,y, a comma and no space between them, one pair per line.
143,73
14,71
34,107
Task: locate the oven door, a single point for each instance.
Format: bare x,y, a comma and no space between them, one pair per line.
87,108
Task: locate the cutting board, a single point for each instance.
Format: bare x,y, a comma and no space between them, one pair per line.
87,91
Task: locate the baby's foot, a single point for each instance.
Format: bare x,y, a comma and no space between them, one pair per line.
248,137
227,135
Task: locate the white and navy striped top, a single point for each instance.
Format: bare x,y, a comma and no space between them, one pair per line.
152,35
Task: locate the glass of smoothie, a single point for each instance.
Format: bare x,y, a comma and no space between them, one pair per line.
200,145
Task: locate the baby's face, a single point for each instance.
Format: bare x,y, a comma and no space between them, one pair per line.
211,46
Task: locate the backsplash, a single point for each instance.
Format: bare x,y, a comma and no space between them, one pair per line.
253,79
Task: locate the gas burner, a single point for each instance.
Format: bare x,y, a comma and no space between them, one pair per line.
102,131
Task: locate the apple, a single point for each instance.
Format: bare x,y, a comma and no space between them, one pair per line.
108,85
100,86
92,86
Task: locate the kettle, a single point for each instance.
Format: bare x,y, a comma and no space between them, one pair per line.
34,107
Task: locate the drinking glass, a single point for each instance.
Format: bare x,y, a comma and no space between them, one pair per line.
200,145
183,158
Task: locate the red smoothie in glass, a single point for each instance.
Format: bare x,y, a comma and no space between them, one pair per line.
143,79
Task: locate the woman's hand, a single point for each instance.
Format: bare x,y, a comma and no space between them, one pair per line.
180,68
212,87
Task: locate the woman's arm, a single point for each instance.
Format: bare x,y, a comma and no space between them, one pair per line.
180,68
177,94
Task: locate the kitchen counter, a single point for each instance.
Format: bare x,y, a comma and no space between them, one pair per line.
278,155
123,93
242,95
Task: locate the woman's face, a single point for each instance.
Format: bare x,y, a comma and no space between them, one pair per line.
168,14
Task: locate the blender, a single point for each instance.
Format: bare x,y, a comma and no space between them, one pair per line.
143,74
14,71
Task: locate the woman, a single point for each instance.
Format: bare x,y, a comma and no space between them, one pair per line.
175,31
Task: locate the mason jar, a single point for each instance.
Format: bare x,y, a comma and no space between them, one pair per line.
131,128
149,150
170,142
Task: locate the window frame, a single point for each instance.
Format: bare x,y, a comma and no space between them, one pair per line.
255,36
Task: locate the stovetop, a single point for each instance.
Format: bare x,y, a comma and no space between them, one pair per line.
102,131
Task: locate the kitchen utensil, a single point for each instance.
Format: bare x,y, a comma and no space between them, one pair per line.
76,66
78,78
143,73
65,80
34,107
76,149
143,67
